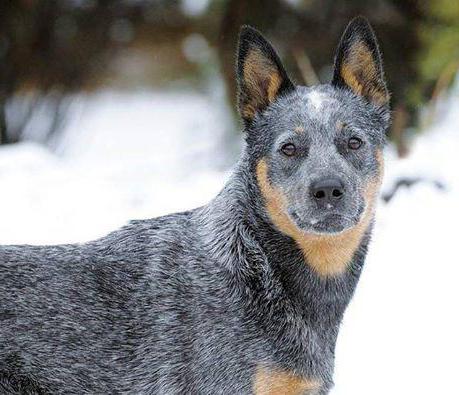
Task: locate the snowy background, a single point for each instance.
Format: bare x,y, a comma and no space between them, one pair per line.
140,155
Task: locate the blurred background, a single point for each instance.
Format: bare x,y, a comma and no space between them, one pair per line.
113,110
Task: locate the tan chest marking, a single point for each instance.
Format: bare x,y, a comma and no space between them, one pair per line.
277,382
328,255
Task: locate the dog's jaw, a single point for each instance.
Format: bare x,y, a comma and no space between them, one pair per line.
328,255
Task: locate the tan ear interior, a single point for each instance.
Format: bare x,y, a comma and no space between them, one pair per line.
360,73
262,81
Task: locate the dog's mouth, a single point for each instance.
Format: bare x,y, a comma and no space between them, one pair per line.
329,223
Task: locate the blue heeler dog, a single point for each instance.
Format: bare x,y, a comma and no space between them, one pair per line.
244,295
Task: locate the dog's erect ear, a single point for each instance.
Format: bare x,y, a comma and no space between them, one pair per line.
260,74
358,64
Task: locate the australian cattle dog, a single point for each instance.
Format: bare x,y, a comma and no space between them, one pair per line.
244,295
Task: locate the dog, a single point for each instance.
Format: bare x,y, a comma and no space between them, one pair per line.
244,295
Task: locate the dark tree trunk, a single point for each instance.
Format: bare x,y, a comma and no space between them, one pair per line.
3,132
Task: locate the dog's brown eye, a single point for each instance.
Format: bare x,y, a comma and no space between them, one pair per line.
288,149
354,143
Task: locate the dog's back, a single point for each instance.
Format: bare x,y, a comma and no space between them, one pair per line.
81,313
146,309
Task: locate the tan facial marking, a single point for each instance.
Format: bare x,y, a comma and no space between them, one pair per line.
328,255
360,74
299,129
339,125
277,382
262,81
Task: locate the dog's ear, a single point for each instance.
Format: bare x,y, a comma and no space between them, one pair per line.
260,75
358,64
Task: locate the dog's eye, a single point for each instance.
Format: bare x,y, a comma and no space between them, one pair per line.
354,143
288,149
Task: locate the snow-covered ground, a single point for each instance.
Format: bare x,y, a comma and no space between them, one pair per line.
401,332
124,156
141,155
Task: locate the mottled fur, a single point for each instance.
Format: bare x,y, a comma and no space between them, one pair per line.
220,299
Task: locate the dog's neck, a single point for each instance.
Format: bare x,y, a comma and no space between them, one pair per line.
272,263
273,288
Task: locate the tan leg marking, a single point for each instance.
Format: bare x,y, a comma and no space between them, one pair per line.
328,255
277,382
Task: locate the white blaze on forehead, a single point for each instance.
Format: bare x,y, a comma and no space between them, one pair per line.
319,102
316,99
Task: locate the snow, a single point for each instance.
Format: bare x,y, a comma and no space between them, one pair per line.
126,156
141,155
400,332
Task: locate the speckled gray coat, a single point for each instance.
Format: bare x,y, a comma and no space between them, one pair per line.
196,302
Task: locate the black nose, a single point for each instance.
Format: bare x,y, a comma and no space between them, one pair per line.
327,190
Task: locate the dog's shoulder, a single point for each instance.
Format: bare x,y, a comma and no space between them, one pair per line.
149,240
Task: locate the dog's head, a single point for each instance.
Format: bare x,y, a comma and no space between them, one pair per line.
317,150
